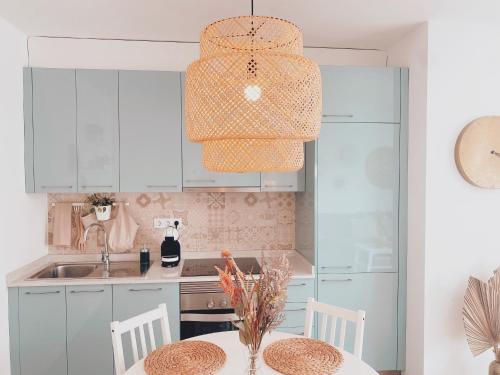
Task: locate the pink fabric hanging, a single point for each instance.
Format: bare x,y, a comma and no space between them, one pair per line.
122,233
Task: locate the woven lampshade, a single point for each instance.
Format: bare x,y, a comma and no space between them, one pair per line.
252,99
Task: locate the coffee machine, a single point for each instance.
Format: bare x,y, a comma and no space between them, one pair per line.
171,248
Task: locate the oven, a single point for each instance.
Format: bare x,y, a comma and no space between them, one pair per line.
204,309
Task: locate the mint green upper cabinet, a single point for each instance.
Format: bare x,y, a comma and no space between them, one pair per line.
377,295
133,299
358,192
97,130
290,181
89,315
361,94
54,130
195,175
29,180
150,131
42,330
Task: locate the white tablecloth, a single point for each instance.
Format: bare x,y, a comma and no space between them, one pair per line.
237,356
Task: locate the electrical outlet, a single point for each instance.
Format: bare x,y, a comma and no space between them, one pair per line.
164,222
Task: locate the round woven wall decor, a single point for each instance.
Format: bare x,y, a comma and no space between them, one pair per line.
252,96
186,358
302,356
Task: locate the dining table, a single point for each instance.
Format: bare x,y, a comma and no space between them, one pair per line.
237,356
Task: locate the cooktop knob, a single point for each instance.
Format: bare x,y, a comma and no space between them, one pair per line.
211,304
223,303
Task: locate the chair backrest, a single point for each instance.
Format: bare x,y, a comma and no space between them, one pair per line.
335,314
137,323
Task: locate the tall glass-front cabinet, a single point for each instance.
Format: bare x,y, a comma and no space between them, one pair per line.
356,193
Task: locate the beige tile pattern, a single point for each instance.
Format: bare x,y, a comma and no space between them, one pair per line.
211,221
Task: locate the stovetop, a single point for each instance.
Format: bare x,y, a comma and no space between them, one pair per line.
206,267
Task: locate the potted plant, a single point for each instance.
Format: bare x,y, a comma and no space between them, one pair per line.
102,205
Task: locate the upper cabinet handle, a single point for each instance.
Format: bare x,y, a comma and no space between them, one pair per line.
47,292
87,291
56,187
335,280
161,186
202,180
96,186
336,267
278,186
145,290
340,115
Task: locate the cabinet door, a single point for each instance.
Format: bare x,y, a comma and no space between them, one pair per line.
97,130
54,130
29,181
195,175
42,330
89,315
361,94
150,131
133,299
377,295
358,192
294,181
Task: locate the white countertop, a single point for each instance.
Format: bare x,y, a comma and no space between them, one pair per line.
300,268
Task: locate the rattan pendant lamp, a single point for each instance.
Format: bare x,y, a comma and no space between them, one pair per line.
252,99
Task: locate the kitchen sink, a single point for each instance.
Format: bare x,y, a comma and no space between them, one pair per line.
89,271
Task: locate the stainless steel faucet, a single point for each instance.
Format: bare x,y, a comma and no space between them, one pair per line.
105,252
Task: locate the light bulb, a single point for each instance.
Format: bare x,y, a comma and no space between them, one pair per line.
252,93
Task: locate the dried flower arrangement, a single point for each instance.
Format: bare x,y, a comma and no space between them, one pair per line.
258,302
482,317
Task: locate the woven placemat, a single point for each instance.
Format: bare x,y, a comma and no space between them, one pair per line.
303,356
186,358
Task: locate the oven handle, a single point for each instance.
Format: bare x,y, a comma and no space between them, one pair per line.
187,317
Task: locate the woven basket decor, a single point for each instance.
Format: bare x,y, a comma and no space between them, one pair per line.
302,356
252,97
186,358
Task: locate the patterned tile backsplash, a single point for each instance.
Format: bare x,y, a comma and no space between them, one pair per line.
211,221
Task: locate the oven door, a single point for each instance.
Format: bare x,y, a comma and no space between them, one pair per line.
201,322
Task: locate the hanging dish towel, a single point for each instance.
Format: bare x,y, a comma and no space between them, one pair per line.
61,233
122,233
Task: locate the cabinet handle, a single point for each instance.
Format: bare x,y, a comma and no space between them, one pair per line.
96,186
303,309
278,186
161,186
337,267
145,290
48,292
340,115
56,187
335,280
87,291
303,284
206,180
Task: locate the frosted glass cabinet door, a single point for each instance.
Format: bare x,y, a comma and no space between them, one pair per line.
358,190
150,131
98,133
195,174
54,130
377,295
361,94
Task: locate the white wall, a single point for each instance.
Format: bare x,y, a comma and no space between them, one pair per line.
462,221
116,54
411,52
23,216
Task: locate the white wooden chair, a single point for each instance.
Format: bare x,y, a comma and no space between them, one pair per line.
138,322
335,313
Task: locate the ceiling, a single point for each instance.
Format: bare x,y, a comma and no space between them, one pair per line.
327,23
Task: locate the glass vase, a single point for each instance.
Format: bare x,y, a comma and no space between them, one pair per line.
253,365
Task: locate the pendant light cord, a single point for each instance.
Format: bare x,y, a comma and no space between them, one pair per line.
251,6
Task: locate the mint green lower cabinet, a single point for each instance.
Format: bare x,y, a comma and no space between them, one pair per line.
377,294
42,331
134,299
299,290
89,309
